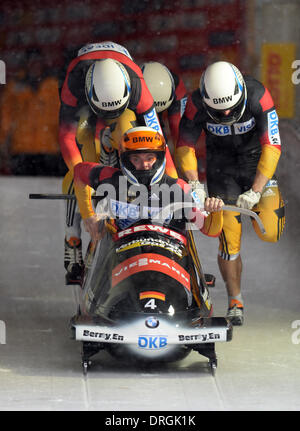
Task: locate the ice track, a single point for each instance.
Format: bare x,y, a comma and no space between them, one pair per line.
40,365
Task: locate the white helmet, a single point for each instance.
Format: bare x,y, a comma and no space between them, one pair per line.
161,85
223,88
107,88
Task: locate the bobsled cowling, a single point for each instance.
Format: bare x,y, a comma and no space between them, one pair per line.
144,295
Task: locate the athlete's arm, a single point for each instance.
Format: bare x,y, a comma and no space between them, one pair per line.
268,127
259,182
267,124
189,133
210,220
177,108
89,175
67,136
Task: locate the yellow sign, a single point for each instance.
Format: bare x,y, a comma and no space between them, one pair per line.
277,59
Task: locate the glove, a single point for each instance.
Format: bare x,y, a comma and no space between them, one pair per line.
108,155
248,199
105,139
198,193
95,227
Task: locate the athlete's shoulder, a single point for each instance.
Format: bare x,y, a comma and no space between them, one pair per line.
194,110
254,87
259,97
72,80
101,174
197,99
177,182
180,88
141,100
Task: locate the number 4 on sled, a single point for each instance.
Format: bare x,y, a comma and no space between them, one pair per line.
151,304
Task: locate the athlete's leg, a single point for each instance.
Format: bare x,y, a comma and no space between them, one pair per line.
73,261
231,271
222,184
230,264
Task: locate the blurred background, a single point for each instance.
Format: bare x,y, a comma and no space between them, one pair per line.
261,37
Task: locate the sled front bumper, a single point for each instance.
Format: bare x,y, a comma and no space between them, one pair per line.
152,330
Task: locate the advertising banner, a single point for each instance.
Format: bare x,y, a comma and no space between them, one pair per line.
277,59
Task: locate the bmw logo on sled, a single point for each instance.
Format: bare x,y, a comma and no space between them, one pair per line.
152,322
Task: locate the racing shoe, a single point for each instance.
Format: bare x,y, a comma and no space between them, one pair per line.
235,312
73,261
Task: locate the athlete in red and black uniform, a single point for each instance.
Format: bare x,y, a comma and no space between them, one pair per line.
135,196
102,102
102,87
145,189
243,148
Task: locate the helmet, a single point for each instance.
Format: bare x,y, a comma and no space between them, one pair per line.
143,140
161,85
107,88
222,88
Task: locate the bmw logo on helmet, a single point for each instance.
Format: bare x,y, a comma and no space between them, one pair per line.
152,322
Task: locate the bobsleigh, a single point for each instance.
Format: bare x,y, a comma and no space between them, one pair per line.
145,297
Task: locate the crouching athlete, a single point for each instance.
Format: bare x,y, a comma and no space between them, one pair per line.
142,155
243,147
102,92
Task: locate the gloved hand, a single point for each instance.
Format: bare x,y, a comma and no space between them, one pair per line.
94,227
108,155
248,199
105,139
213,204
198,192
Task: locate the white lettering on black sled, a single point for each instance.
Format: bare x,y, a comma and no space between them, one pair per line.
102,335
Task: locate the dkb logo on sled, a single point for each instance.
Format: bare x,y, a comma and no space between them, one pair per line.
152,343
